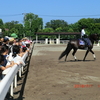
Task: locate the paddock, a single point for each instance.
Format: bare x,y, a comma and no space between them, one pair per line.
50,79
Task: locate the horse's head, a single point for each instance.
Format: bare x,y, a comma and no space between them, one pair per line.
95,37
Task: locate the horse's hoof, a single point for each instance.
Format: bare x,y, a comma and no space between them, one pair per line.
75,59
94,59
65,60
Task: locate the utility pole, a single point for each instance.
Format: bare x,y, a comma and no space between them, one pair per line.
30,22
23,22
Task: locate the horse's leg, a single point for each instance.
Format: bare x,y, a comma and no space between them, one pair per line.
86,54
66,57
93,54
67,52
74,51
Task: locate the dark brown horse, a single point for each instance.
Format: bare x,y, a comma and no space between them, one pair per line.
75,45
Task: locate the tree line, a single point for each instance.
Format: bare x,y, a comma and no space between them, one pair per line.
33,24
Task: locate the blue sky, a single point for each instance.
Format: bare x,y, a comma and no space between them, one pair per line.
69,10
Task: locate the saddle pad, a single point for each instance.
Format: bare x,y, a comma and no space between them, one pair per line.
81,42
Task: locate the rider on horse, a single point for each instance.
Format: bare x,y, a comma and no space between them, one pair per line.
85,37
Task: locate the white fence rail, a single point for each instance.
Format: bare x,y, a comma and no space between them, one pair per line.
60,42
7,81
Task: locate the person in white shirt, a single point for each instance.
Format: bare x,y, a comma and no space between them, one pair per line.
82,32
17,55
85,37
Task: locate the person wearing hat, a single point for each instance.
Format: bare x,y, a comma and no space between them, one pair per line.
82,33
85,37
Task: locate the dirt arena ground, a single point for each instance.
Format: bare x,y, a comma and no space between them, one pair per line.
51,79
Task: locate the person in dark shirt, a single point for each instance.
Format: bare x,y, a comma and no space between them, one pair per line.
4,51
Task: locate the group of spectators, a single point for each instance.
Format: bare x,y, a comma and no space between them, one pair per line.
11,49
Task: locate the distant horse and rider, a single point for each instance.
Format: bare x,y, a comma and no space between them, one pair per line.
84,43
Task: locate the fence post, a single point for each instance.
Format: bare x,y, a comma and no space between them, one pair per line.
11,89
98,44
46,41
57,41
15,81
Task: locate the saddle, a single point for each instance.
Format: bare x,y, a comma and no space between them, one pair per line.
81,42
84,42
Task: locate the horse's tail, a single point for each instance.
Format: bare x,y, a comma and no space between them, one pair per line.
66,52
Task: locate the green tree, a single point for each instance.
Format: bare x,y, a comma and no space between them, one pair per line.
10,27
56,24
1,23
32,24
20,31
86,23
14,30
59,29
1,26
48,30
